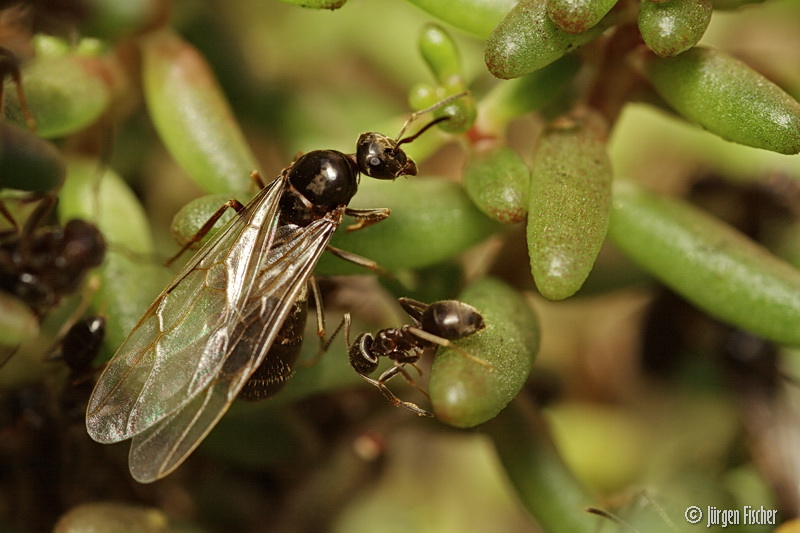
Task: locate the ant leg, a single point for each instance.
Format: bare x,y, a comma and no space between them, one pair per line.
323,344
203,231
6,214
39,213
9,66
413,308
394,400
411,381
312,282
357,259
435,339
366,217
259,181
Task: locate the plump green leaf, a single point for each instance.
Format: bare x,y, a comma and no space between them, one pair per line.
497,181
727,5
113,517
569,204
440,53
728,98
192,116
546,486
28,162
461,112
477,17
708,262
64,94
111,19
670,28
531,92
527,40
465,393
431,221
191,217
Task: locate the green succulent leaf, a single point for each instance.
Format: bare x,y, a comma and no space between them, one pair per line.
477,17
18,323
192,115
64,94
431,221
465,393
191,217
569,204
130,277
111,20
28,162
113,517
531,92
670,28
708,262
728,98
729,5
441,54
527,40
546,486
497,181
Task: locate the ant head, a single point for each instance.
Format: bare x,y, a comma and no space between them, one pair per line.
379,157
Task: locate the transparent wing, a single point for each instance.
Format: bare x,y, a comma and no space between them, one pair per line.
180,344
163,446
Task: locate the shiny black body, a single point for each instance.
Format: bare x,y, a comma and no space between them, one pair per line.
278,366
81,345
319,182
39,265
434,325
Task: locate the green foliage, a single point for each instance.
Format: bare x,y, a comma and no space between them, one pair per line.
435,219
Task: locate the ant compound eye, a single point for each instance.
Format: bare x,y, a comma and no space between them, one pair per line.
376,165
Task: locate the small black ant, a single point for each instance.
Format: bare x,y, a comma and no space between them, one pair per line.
434,325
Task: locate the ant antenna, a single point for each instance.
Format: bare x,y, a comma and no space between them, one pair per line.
416,114
421,131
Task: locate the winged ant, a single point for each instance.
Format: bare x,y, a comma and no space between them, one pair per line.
229,324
